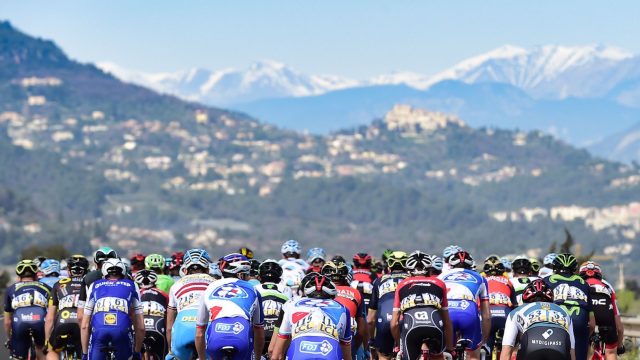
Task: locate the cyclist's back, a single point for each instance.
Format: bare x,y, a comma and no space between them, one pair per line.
502,296
64,297
154,311
272,297
381,303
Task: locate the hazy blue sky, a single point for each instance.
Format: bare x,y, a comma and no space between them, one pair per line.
349,38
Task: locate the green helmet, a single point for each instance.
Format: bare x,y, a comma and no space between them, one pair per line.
154,262
386,254
565,263
397,260
103,254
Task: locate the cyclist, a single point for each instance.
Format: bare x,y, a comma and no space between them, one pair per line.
62,325
230,315
448,252
99,257
605,309
184,300
507,266
50,270
137,263
521,266
112,307
254,272
338,273
420,304
270,274
176,264
314,326
465,289
293,267
363,277
155,263
547,265
64,268
572,293
25,307
316,257
154,312
381,305
502,296
544,329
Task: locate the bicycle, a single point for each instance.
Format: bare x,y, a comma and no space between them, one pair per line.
460,350
109,352
32,348
497,345
228,352
69,352
427,345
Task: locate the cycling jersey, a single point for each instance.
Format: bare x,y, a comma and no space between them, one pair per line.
418,299
465,289
545,330
316,328
109,303
164,283
605,309
293,271
363,281
184,298
154,311
502,298
50,281
88,279
64,297
573,294
272,301
519,284
382,297
229,309
26,305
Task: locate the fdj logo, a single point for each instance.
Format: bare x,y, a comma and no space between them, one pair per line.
229,291
235,328
317,348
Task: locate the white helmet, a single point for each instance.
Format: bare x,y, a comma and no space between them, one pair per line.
290,246
113,267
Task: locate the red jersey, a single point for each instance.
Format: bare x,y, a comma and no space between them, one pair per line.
501,292
350,298
419,291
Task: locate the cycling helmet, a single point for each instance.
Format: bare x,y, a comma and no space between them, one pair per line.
78,265
590,269
493,266
537,290
255,265
145,278
26,268
565,264
318,286
154,262
521,265
50,267
396,260
137,262
362,261
290,247
214,270
418,263
103,254
450,251
270,271
507,264
337,271
386,254
113,267
63,264
339,258
461,258
548,260
177,260
39,259
196,259
233,264
246,252
315,254
535,265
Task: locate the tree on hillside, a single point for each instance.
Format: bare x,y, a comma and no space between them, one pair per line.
55,251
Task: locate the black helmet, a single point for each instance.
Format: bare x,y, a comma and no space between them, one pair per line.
270,271
565,264
521,265
318,286
78,264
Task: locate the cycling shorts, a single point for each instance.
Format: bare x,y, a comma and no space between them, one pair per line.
235,332
466,322
120,338
418,326
383,341
497,324
26,321
610,336
313,347
580,332
183,335
544,343
63,334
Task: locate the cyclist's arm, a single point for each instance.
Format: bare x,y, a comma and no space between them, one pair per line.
509,337
171,318
199,342
138,322
371,322
448,328
258,341
202,321
257,319
395,325
592,323
346,350
486,320
275,338
8,317
84,328
48,322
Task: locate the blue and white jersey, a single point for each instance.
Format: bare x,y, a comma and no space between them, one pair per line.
110,301
316,327
464,287
230,298
50,280
536,314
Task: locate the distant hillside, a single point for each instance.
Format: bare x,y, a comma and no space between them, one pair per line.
99,161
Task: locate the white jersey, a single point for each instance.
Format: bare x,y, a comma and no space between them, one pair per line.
536,314
185,293
230,298
293,270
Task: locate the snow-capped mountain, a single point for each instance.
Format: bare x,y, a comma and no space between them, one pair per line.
550,71
263,79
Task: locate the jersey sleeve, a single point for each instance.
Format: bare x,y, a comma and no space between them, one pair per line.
396,296
284,327
373,301
510,330
136,304
512,296
173,301
202,315
258,315
90,302
483,292
53,298
7,300
345,337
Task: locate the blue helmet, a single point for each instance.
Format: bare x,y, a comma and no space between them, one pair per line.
196,257
233,264
449,251
548,259
290,246
50,266
316,253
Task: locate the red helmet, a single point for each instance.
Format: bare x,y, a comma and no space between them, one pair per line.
537,290
137,262
362,260
590,269
177,259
